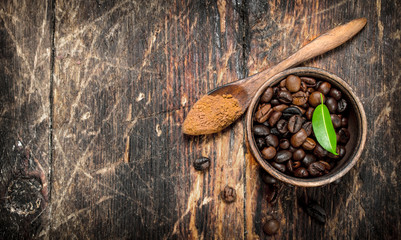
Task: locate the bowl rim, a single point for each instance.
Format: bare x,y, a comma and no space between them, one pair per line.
325,179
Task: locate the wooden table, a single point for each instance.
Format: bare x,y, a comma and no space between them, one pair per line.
93,95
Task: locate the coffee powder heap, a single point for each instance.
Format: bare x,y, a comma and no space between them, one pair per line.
211,114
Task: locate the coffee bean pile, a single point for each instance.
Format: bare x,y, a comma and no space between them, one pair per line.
283,126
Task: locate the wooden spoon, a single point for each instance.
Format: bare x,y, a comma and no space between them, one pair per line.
222,106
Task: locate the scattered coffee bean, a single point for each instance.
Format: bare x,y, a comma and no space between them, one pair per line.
283,155
316,212
284,143
298,138
310,82
309,113
260,142
308,160
296,164
326,165
316,169
314,99
308,128
267,95
261,130
298,155
295,123
275,102
299,98
309,144
228,194
324,88
272,140
280,108
271,193
343,136
278,166
264,113
331,104
335,93
336,120
271,227
289,112
301,172
282,126
269,153
319,151
284,96
293,83
274,118
201,164
342,105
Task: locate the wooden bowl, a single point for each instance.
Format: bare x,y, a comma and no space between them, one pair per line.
357,126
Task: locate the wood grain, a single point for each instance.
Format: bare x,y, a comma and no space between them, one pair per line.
106,85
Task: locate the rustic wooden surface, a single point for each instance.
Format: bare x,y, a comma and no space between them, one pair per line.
93,95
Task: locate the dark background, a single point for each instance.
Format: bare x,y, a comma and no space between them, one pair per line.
93,95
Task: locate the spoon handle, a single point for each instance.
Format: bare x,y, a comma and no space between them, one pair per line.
324,43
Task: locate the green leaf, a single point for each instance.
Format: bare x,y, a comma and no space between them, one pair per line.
323,128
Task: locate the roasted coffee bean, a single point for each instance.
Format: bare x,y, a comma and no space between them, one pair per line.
260,142
274,118
292,149
300,109
326,165
301,172
336,120
284,143
332,155
316,212
344,122
267,178
319,151
331,104
341,151
324,88
295,123
310,82
275,102
267,95
299,98
335,93
282,156
271,227
342,105
308,128
293,83
303,88
282,126
288,112
282,83
308,160
269,153
272,140
201,164
228,194
314,98
284,97
298,138
264,113
278,166
316,169
261,130
289,166
309,144
305,106
343,136
298,155
280,108
310,90
274,131
309,113
296,164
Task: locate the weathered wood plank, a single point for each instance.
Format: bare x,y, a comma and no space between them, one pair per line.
25,51
125,76
362,205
